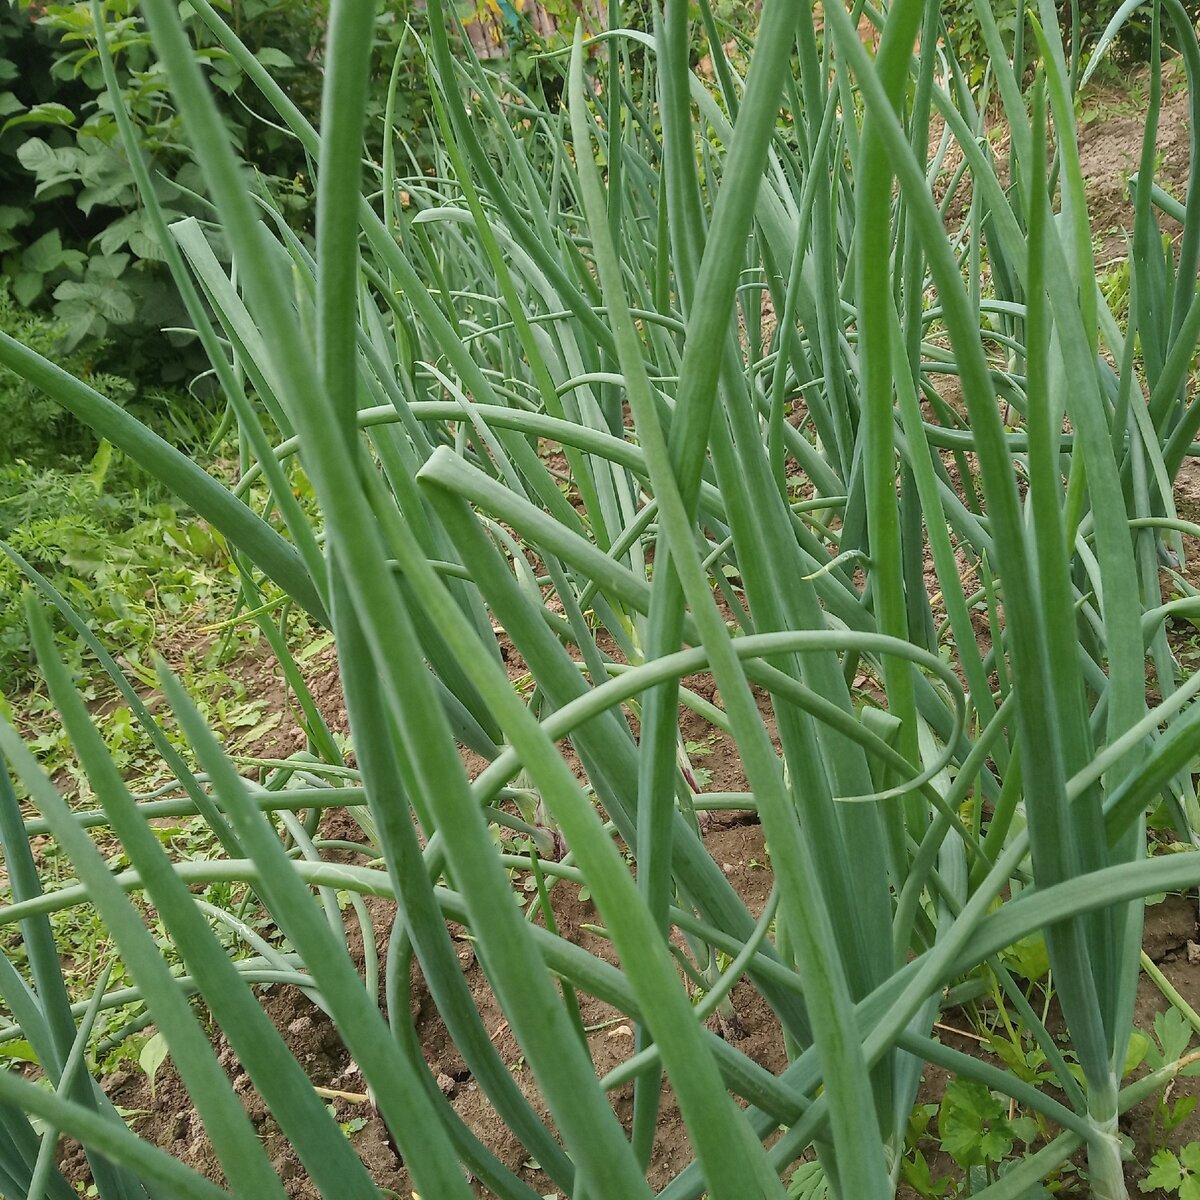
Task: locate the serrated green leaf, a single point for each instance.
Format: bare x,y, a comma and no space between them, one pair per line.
917,1174
50,113
114,304
111,192
1173,1032
963,1118
27,287
107,267
996,1144
226,83
49,165
145,245
1025,1128
1165,1172
118,233
81,320
46,254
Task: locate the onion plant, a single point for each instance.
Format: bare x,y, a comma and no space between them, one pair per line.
818,424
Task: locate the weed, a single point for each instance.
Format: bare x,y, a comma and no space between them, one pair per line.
1176,1174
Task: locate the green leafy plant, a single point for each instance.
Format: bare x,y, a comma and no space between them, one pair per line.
74,236
1175,1174
39,432
965,32
1083,26
914,1167
127,561
69,188
975,1128
1172,1036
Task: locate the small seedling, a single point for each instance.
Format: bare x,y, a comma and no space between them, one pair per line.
976,1128
152,1056
1176,1174
915,1168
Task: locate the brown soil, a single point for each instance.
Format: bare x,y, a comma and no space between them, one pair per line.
166,1117
1110,147
1170,941
1110,144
